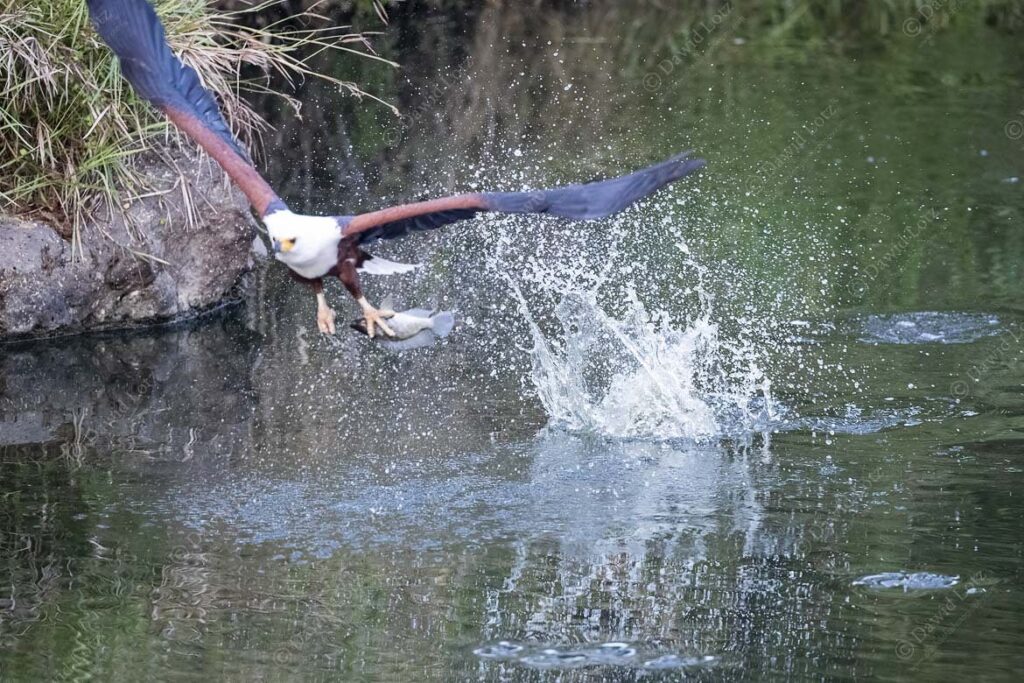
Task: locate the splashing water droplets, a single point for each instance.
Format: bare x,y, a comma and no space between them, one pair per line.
631,326
635,374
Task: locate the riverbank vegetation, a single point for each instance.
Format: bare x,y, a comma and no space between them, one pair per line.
70,126
797,18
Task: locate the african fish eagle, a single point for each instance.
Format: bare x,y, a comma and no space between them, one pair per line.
315,247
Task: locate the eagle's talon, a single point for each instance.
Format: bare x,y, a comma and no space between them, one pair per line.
325,319
375,318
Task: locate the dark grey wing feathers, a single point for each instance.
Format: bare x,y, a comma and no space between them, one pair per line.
579,202
133,31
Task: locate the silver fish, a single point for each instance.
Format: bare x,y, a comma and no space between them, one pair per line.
414,328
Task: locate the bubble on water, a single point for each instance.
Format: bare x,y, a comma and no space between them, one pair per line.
616,654
676,662
501,650
927,328
908,581
555,659
613,652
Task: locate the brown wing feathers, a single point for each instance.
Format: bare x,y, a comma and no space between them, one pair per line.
577,202
135,34
256,189
133,31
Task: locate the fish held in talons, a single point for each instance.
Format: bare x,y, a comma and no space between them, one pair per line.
413,328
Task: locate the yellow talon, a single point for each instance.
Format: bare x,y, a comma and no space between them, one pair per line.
375,318
325,321
324,315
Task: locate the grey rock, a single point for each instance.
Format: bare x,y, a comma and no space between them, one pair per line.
145,263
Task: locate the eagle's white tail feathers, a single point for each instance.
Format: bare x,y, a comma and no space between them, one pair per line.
375,265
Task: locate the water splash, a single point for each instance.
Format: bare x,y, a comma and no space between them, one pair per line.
634,336
636,374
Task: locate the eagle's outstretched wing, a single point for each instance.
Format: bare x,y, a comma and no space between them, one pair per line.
581,202
135,34
133,31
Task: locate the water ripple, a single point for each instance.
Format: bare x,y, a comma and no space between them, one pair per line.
928,328
605,654
908,581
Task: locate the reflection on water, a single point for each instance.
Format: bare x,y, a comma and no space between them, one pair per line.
148,523
242,499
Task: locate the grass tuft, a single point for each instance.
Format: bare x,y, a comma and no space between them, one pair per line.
71,129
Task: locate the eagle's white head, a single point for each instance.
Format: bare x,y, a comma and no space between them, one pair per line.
306,244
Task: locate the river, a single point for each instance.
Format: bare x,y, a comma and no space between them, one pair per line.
766,425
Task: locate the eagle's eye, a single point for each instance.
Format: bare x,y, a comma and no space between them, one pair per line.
288,245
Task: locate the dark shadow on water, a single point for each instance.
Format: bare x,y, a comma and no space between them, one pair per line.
111,391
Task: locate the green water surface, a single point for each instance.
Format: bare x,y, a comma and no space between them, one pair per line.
240,499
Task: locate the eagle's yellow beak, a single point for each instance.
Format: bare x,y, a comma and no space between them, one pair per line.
284,246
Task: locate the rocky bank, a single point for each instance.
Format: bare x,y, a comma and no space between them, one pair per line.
145,263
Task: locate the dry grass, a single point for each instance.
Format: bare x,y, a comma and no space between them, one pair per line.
70,126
